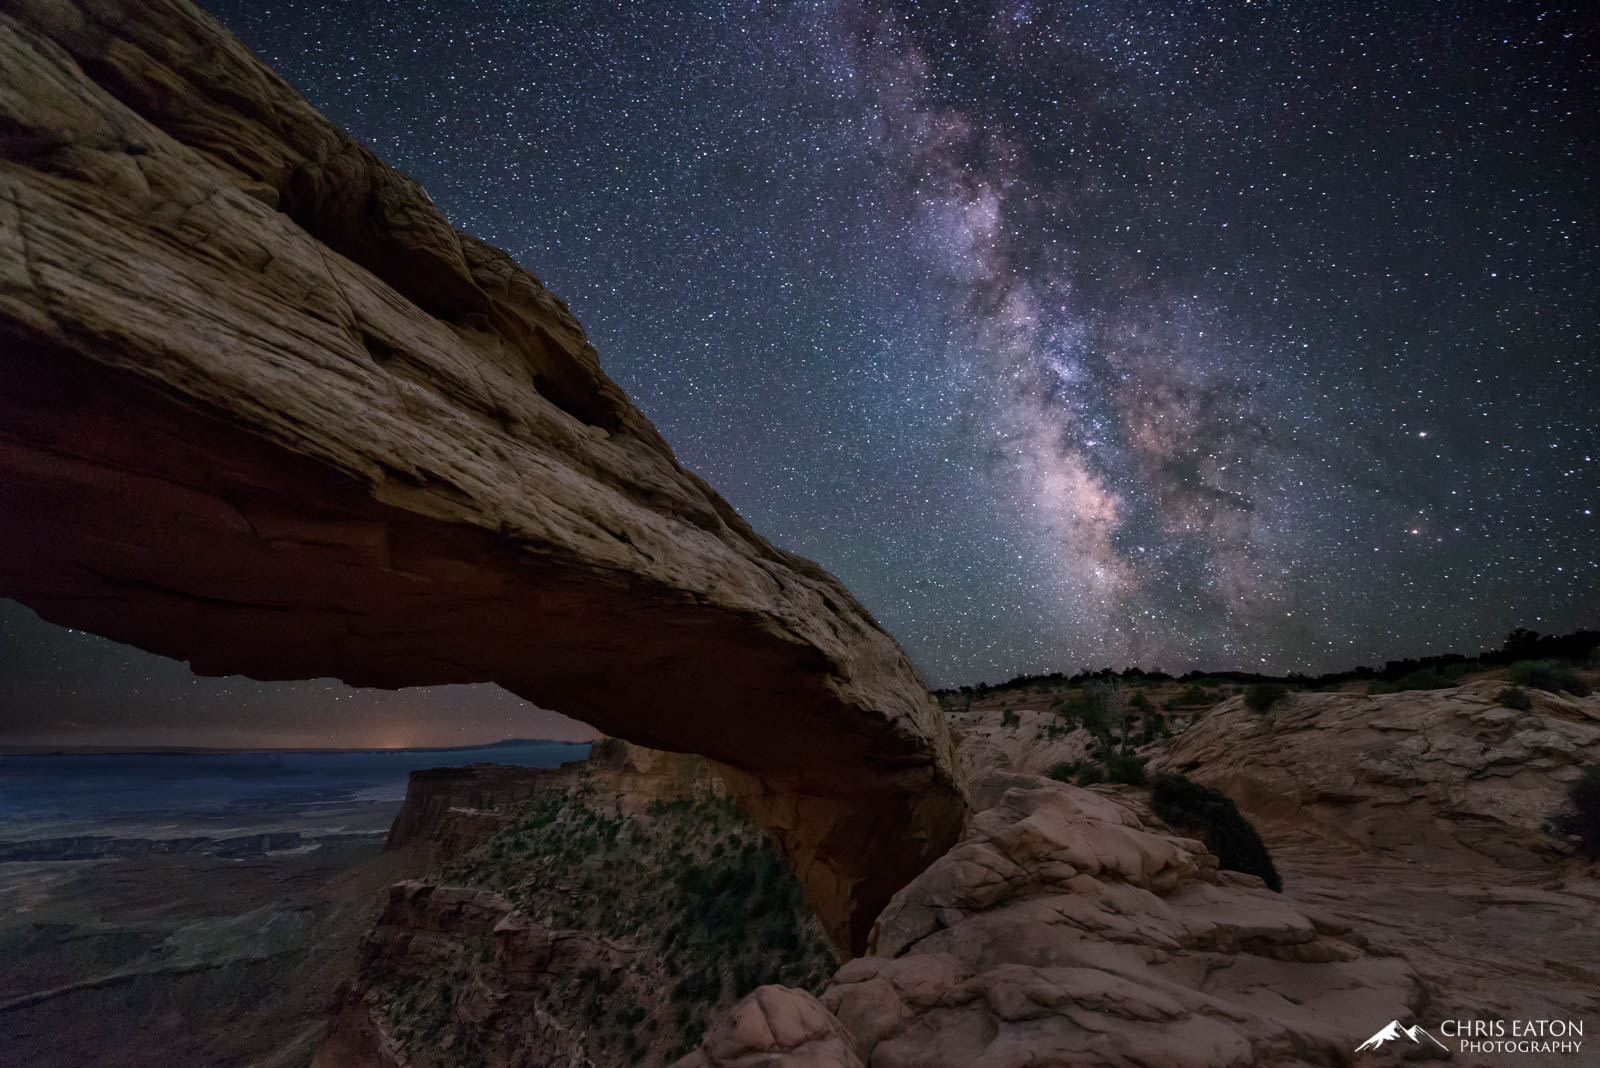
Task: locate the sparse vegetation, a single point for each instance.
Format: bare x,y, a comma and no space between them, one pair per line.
1552,676
1066,770
1126,767
708,908
1581,816
1260,696
1429,679
1514,697
1186,805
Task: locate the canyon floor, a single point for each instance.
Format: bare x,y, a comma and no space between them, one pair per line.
181,959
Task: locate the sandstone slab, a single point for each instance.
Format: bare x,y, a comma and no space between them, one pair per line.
1070,928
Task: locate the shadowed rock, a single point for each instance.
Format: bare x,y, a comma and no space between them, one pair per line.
263,409
1071,928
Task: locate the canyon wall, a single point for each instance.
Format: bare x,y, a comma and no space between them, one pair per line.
262,408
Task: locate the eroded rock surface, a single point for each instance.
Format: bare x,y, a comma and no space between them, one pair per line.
1422,814
447,811
1417,817
1431,775
1069,928
776,1026
262,408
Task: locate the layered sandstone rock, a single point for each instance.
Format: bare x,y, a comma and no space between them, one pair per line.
776,1026
1069,928
1447,776
447,811
1023,739
262,408
1418,814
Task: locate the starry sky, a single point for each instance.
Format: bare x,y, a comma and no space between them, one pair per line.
1244,335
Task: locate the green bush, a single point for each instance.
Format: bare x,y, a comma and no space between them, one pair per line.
1090,775
1008,718
1085,709
1427,679
1126,768
1065,771
1514,697
1260,696
1187,805
1581,817
1552,676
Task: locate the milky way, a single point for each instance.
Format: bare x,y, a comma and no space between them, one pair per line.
1235,335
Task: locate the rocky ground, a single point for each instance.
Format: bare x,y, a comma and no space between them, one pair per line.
603,919
1070,927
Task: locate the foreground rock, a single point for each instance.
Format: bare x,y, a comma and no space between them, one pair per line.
1435,776
1422,814
1069,929
263,409
1418,814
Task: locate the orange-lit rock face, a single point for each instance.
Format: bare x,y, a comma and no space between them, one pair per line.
263,409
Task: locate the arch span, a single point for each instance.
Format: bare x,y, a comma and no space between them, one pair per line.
263,409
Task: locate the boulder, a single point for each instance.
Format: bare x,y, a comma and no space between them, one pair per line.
1071,928
1446,775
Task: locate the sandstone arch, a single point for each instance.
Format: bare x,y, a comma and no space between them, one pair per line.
263,409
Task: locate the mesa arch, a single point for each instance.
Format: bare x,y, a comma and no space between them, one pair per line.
263,409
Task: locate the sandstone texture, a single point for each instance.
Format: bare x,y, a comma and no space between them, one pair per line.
448,811
773,1026
1070,928
262,408
1416,817
1421,814
1427,775
1026,740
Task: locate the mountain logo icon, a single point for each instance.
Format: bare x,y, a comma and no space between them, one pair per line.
1393,1032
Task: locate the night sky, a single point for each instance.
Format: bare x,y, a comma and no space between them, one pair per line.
1244,335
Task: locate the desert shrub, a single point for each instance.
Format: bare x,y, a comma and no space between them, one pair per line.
1186,804
1581,816
1154,725
1260,696
1426,679
699,987
1514,697
1125,767
1090,775
1009,718
1065,771
1552,676
1085,709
